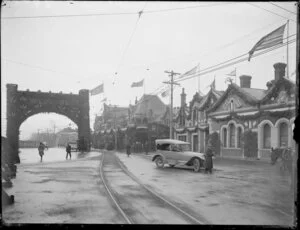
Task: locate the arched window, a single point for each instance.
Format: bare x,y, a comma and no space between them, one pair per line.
239,137
231,136
225,137
283,134
267,136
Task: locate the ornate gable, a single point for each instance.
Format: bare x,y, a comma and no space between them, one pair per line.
281,92
234,98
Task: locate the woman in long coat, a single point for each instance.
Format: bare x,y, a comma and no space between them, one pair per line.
208,159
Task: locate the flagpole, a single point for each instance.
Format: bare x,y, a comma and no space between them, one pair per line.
235,75
144,85
287,50
198,78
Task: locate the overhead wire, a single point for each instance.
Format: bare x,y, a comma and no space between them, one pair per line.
114,14
282,8
270,11
129,42
206,71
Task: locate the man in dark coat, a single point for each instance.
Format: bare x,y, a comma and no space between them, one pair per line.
41,149
128,148
68,150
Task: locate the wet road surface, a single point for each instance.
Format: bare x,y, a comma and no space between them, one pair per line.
138,204
236,193
65,191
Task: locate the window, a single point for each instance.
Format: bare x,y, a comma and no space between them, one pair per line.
283,135
182,137
231,106
239,137
231,136
267,136
165,147
225,137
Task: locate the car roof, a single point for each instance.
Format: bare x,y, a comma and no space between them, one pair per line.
170,141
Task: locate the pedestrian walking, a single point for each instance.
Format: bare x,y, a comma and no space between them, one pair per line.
128,148
41,149
68,150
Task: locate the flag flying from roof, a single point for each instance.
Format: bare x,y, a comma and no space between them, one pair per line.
271,39
99,89
104,100
138,84
190,72
165,93
232,73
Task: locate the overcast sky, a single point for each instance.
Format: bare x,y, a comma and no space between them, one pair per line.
80,52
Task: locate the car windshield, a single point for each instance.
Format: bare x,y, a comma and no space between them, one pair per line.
184,147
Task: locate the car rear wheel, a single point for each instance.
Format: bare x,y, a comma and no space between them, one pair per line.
196,165
159,162
171,166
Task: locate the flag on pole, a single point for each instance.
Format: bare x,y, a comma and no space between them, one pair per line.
104,100
271,39
165,93
232,73
99,89
138,84
190,72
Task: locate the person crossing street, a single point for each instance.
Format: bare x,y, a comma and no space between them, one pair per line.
68,150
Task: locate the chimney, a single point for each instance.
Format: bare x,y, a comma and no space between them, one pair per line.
279,69
245,81
183,98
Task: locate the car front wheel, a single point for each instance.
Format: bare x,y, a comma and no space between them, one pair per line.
159,162
196,165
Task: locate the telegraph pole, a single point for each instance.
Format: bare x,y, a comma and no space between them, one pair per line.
171,82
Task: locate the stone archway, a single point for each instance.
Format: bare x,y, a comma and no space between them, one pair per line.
23,104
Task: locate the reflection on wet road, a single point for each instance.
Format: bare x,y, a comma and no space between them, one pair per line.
31,155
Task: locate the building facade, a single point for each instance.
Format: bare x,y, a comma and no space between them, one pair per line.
269,113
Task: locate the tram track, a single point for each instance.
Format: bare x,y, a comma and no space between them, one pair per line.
136,202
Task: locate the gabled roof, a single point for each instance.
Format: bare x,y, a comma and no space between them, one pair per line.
252,96
211,93
149,102
275,88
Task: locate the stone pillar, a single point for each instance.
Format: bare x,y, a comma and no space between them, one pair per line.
84,132
12,128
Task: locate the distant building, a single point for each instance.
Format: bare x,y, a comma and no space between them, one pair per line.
136,124
65,136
